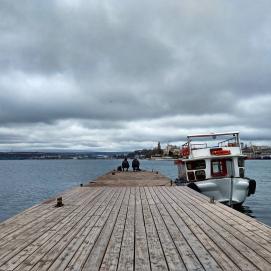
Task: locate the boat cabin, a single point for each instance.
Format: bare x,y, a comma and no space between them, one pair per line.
212,159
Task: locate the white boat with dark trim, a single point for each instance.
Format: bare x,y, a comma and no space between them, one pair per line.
213,164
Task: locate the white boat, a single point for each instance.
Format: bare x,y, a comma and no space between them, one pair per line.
213,164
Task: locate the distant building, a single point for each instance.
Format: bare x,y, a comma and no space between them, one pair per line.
257,152
171,150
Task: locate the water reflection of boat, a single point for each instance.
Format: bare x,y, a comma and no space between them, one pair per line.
215,168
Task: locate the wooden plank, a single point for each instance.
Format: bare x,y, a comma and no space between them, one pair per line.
233,217
126,257
81,255
130,178
38,248
200,251
29,220
9,249
29,213
24,221
95,259
156,254
234,249
111,257
174,261
26,236
250,249
219,256
94,213
177,231
43,258
251,238
251,224
141,244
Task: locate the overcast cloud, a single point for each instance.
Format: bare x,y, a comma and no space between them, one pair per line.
122,75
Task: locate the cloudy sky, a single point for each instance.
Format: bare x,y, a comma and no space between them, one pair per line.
122,74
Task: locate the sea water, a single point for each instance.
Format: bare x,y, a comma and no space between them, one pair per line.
24,183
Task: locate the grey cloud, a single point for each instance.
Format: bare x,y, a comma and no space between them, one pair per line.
114,68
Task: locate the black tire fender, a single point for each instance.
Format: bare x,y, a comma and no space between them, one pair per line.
251,187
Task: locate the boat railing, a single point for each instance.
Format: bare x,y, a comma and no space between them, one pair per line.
187,148
231,142
199,146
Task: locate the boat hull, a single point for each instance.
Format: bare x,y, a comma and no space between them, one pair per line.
224,190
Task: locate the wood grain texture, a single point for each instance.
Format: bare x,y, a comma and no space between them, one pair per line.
130,178
133,227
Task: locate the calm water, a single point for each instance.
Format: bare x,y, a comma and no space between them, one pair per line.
27,182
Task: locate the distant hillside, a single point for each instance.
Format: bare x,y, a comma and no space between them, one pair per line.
60,155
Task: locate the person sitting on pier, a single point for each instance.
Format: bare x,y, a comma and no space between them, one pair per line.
125,164
135,165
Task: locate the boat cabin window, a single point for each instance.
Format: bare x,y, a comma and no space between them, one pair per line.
241,162
218,168
194,165
200,175
191,176
241,172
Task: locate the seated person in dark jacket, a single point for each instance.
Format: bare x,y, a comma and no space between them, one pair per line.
125,164
135,165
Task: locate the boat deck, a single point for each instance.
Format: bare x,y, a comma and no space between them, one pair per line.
133,228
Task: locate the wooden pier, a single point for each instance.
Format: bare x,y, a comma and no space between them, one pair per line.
133,227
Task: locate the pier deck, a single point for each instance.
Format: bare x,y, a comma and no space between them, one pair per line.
134,228
130,178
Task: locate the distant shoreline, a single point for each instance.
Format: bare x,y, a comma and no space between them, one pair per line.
93,158
60,155
88,156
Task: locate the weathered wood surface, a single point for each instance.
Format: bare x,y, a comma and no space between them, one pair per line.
134,228
131,178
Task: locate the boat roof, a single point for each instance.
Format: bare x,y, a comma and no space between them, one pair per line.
214,134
